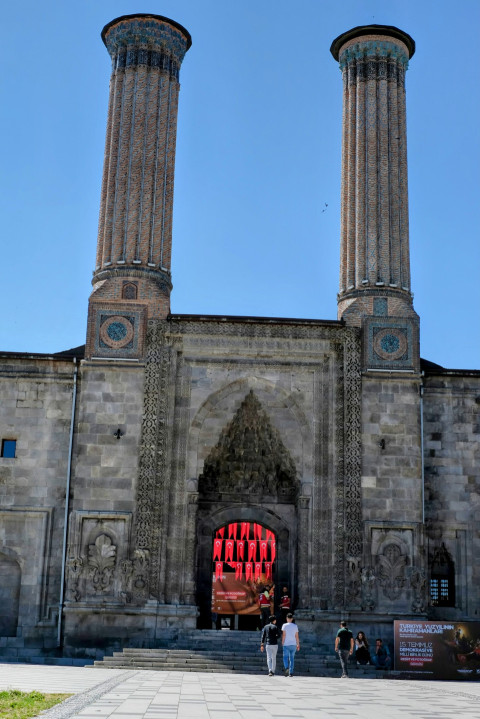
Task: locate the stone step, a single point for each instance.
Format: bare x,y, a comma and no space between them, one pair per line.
302,666
208,654
227,651
324,672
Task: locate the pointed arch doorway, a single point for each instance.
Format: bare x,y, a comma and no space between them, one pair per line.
249,480
243,568
211,579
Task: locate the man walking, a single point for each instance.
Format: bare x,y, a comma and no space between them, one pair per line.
291,644
344,646
270,635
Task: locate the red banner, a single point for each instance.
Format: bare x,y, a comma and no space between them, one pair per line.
236,580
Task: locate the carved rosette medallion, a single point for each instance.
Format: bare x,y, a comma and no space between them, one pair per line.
391,342
117,331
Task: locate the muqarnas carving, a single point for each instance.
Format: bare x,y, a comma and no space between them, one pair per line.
250,458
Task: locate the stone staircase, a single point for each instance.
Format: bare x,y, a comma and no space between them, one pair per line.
230,652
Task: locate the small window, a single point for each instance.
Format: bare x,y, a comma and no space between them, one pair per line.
442,579
9,447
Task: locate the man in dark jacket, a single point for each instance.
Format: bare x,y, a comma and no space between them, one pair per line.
344,646
269,640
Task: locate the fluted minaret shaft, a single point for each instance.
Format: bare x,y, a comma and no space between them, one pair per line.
374,201
132,280
135,224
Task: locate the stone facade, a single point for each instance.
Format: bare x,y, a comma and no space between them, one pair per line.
452,482
35,410
360,459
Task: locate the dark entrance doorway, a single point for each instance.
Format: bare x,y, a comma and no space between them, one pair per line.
248,478
243,572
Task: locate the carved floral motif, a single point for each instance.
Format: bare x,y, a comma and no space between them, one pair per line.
418,583
134,577
368,588
391,570
74,572
101,562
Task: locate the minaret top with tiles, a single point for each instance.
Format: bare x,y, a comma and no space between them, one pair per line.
375,254
132,280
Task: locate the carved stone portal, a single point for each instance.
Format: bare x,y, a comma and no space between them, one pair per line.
250,459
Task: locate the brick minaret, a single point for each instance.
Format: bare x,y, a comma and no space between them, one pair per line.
374,261
132,281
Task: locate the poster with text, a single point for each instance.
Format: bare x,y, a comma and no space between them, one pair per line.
438,650
233,596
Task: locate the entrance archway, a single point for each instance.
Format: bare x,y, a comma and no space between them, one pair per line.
243,571
248,478
211,521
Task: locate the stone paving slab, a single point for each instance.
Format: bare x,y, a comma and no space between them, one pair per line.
54,678
117,694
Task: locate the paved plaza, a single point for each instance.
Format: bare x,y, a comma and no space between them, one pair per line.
184,695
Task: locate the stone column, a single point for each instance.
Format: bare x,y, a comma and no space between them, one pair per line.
374,216
135,224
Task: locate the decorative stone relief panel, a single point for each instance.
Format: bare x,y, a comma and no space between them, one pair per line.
151,516
348,506
397,574
99,567
418,583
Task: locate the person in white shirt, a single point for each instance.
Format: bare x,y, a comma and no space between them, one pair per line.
291,644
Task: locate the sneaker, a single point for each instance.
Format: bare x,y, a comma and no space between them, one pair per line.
270,674
290,675
286,672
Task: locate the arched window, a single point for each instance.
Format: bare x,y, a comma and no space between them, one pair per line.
442,579
129,291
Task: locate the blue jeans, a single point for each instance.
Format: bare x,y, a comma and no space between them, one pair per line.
289,656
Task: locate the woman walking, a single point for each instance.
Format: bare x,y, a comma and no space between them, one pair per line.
291,644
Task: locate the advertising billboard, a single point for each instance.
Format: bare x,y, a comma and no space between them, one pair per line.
438,650
233,596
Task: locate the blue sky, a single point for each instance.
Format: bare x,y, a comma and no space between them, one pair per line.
258,156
